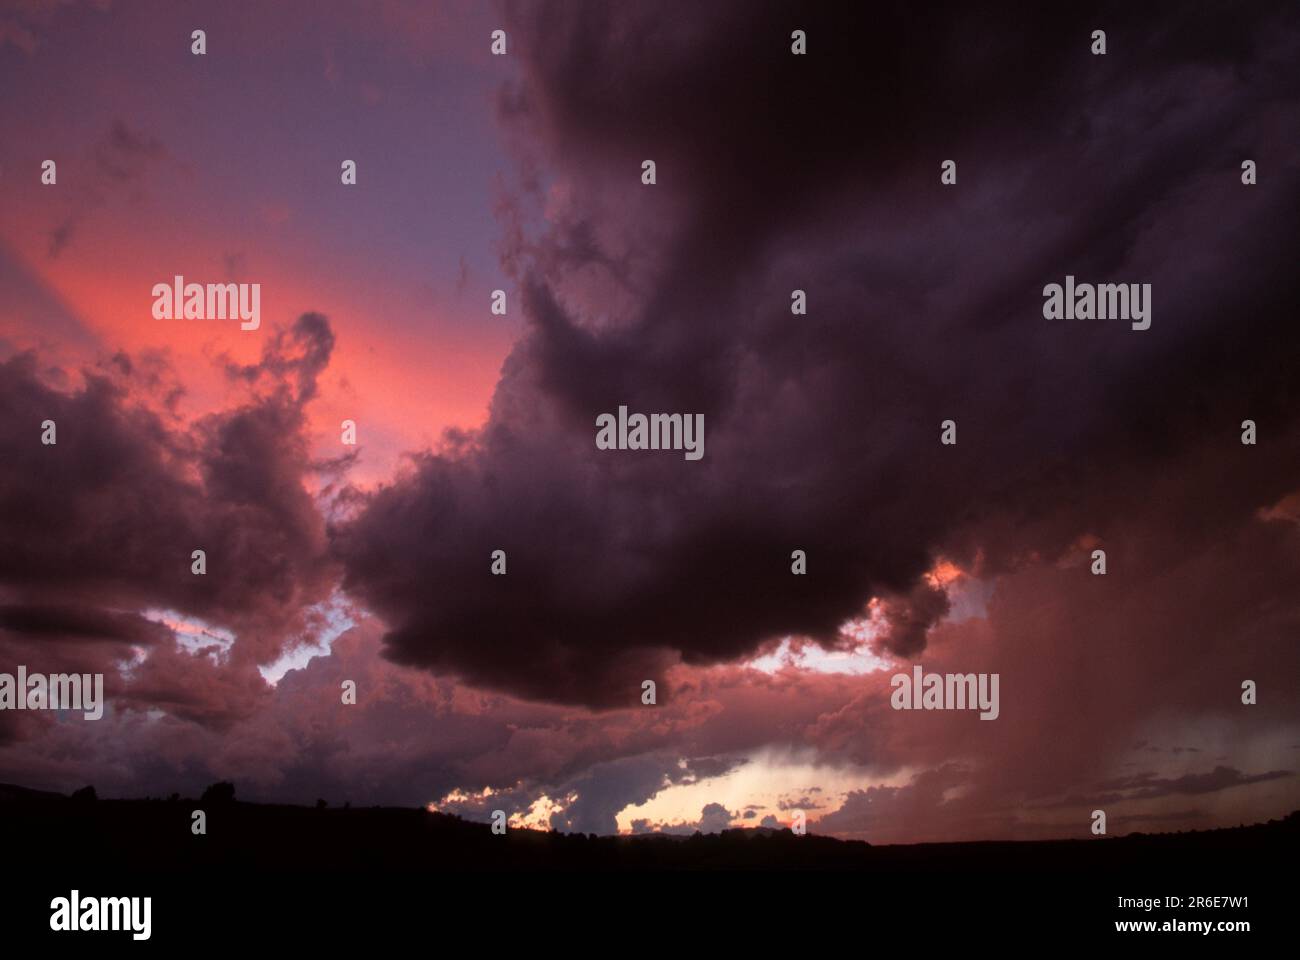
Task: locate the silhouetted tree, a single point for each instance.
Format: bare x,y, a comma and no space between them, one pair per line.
321,804
85,795
219,793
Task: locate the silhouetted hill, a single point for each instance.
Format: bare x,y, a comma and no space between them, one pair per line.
155,835
11,793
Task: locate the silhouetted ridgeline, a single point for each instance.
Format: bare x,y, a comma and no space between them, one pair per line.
150,835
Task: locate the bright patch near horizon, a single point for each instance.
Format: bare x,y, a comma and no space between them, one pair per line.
770,779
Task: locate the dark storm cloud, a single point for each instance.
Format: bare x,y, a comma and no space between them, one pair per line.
100,526
1150,786
821,173
1147,785
908,619
294,357
79,622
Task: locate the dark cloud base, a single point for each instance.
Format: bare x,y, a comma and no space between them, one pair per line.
821,173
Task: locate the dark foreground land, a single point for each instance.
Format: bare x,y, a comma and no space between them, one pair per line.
156,835
353,870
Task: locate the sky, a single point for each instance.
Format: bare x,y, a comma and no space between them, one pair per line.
330,562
